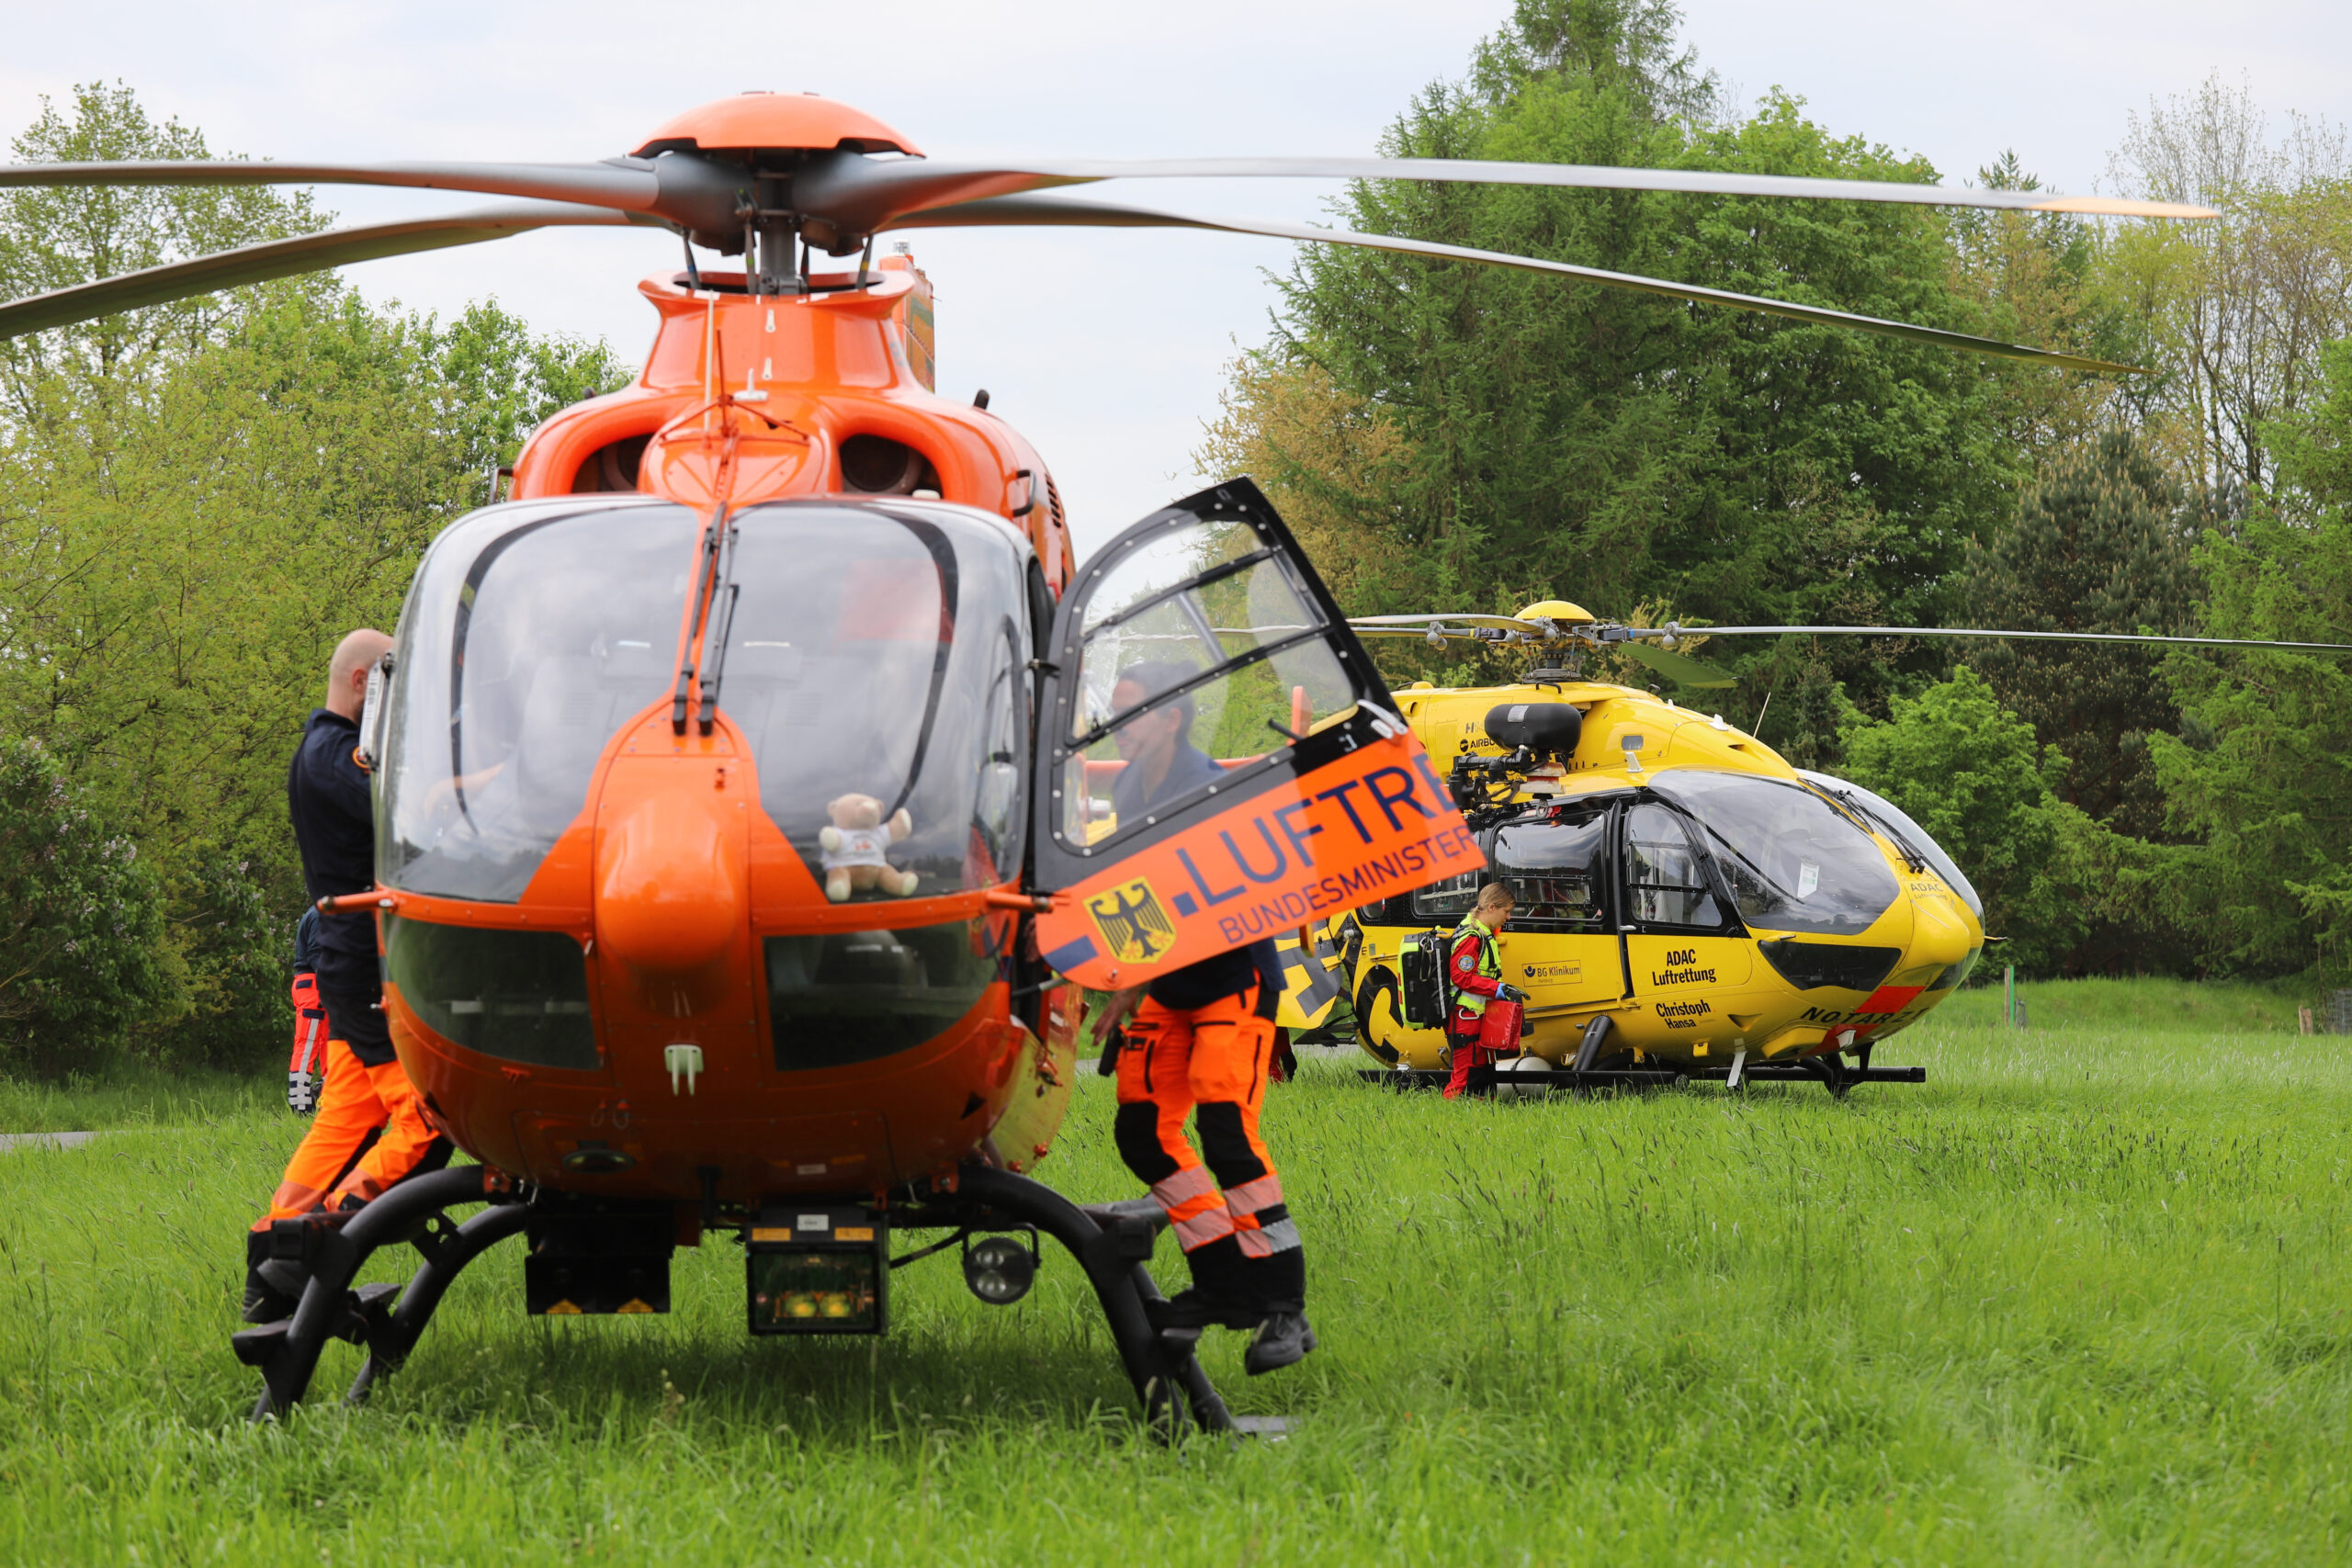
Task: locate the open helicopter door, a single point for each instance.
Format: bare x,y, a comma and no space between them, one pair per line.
1218,761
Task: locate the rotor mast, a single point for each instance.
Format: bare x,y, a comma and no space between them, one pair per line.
771,236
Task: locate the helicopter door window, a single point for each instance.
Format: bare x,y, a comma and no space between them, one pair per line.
1215,756
1556,871
527,640
1199,651
1450,901
881,653
1666,881
1791,861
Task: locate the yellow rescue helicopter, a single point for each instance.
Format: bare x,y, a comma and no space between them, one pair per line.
1689,903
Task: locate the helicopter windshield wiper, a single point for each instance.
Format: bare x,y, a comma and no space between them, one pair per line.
719,625
1761,877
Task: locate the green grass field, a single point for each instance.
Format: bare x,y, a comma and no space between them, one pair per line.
2082,1298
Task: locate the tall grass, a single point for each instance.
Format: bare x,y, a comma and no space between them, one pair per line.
132,1094
2080,1298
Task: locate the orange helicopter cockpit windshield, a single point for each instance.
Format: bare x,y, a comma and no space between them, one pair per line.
529,636
797,886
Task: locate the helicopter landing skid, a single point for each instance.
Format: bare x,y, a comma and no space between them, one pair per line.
1566,1078
287,1352
1110,1243
1838,1079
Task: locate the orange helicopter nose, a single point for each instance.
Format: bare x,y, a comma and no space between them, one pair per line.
670,882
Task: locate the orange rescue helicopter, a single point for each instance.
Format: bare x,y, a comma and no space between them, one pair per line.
735,836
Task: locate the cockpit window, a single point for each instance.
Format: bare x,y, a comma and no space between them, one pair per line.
1201,648
1905,834
1794,862
531,635
876,661
1666,878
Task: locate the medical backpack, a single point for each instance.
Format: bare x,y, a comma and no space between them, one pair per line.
1424,996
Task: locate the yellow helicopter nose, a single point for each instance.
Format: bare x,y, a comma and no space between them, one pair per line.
1940,938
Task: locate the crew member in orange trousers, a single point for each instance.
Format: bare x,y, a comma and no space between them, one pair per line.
369,1131
1202,1043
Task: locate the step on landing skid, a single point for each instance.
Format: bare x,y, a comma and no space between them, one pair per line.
1112,1243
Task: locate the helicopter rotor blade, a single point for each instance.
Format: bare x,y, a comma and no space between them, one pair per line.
693,192
1415,624
2032,636
863,193
1677,667
860,192
628,184
1049,211
283,258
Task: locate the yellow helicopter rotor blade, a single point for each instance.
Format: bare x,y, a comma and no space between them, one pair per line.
2026,637
1677,667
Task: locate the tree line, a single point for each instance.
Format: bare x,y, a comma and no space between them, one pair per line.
195,502
1451,437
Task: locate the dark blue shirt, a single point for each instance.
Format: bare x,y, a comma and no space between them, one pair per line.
306,942
335,826
1229,972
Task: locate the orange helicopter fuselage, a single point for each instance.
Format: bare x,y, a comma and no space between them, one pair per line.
672,876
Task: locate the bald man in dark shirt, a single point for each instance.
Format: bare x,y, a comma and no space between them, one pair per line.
369,1131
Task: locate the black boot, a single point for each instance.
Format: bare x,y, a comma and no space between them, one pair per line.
1219,1296
264,1300
1282,1340
1277,1284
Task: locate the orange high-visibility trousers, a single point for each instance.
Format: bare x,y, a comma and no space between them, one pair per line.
1213,1064
369,1132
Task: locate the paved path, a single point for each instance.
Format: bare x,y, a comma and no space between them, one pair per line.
43,1140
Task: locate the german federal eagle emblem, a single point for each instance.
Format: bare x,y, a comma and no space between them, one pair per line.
1135,926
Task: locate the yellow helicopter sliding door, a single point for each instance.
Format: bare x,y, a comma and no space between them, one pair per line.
1218,761
1684,943
1562,947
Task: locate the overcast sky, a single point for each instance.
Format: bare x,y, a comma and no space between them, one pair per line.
1105,348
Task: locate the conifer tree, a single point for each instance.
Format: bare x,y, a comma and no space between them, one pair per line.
2097,545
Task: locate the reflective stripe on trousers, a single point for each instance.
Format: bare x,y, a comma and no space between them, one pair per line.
1211,1063
1194,1207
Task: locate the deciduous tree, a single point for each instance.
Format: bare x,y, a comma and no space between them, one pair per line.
2263,773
